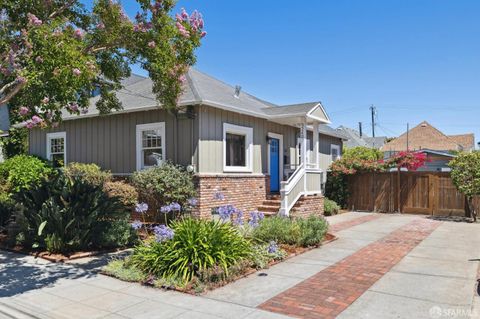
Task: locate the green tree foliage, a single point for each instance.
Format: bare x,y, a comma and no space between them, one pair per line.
362,153
53,54
466,177
21,172
16,143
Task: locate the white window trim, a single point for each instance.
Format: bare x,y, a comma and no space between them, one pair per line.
241,130
51,136
144,127
309,151
280,138
337,147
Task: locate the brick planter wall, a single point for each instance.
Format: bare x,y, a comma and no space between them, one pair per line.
246,192
307,206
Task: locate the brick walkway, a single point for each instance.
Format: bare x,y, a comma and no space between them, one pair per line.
332,290
354,222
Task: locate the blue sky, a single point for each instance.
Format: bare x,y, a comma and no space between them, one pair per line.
414,60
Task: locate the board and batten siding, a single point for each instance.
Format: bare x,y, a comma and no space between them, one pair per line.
110,141
210,149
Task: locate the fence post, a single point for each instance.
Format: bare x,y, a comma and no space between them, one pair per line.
399,191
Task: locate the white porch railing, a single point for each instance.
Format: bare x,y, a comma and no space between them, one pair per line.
304,181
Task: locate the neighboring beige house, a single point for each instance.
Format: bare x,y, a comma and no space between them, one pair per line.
235,143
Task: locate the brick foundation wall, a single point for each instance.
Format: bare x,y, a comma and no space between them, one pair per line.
307,206
243,191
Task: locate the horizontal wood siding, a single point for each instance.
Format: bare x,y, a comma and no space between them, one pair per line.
211,138
110,141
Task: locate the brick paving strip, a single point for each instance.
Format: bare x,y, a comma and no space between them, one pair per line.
329,292
354,222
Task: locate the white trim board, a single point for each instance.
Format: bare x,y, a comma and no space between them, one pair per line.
49,138
280,138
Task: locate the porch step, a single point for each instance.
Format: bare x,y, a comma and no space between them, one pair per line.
268,208
273,197
271,202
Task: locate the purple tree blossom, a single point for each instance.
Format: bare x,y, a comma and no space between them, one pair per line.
136,224
78,34
141,208
151,44
76,72
23,111
32,19
163,233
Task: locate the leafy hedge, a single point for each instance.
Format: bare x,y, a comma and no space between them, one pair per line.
330,207
22,171
90,173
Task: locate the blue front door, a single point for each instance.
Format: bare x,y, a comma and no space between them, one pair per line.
274,165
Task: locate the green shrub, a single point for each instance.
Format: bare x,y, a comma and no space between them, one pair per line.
6,208
126,194
21,171
312,231
330,207
299,232
90,173
163,185
336,188
65,214
196,245
261,256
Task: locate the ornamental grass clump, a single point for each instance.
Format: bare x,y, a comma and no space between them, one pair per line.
190,247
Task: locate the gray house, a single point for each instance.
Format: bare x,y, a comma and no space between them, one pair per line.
235,143
356,138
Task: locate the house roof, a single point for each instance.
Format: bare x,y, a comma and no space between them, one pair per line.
426,136
354,139
200,88
327,130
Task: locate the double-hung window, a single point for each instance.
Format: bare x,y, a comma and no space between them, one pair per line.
150,145
237,148
57,148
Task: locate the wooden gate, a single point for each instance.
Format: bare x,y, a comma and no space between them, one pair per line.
431,193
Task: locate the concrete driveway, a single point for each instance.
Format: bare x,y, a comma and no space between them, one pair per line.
382,266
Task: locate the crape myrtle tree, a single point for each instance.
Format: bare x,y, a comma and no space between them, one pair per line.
466,177
55,53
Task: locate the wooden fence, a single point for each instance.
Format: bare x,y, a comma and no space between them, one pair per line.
431,193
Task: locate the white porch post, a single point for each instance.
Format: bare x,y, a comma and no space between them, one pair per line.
303,136
316,145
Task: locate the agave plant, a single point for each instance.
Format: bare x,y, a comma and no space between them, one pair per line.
64,214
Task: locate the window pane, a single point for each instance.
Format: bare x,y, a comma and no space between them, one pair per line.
235,150
151,138
57,160
334,154
152,157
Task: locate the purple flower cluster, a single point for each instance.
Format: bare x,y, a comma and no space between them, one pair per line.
34,121
163,233
255,218
141,208
192,202
195,20
173,207
218,195
136,224
230,212
272,247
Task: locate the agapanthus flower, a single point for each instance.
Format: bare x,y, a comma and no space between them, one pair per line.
136,224
163,233
225,212
255,218
175,207
218,195
76,71
23,110
192,202
239,218
272,247
141,208
166,209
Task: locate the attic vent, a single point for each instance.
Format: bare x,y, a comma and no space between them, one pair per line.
424,125
238,88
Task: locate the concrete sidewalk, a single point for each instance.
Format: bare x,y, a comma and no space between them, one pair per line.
436,274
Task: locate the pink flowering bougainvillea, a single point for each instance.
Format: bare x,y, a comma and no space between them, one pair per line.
53,54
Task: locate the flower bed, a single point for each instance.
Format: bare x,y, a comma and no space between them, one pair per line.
193,256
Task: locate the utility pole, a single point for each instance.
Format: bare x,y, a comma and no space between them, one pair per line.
360,129
407,135
373,110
